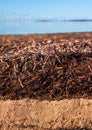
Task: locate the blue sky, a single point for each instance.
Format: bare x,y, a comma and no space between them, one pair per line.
45,8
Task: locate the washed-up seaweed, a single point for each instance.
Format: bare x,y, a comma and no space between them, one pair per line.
45,67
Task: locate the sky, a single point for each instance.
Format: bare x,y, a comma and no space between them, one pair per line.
47,8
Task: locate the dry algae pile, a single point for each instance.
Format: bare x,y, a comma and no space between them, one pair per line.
45,67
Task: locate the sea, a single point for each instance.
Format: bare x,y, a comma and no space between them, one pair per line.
42,27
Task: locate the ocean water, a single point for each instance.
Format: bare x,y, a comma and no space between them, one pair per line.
34,27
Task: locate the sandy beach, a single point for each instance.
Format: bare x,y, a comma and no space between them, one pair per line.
46,81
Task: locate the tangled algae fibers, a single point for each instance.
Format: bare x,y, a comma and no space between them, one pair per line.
46,66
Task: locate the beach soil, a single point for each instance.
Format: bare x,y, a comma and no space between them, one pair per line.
46,81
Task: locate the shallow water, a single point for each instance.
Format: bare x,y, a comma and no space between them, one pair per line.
32,27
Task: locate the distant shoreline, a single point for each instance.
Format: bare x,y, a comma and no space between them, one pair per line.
69,20
46,19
